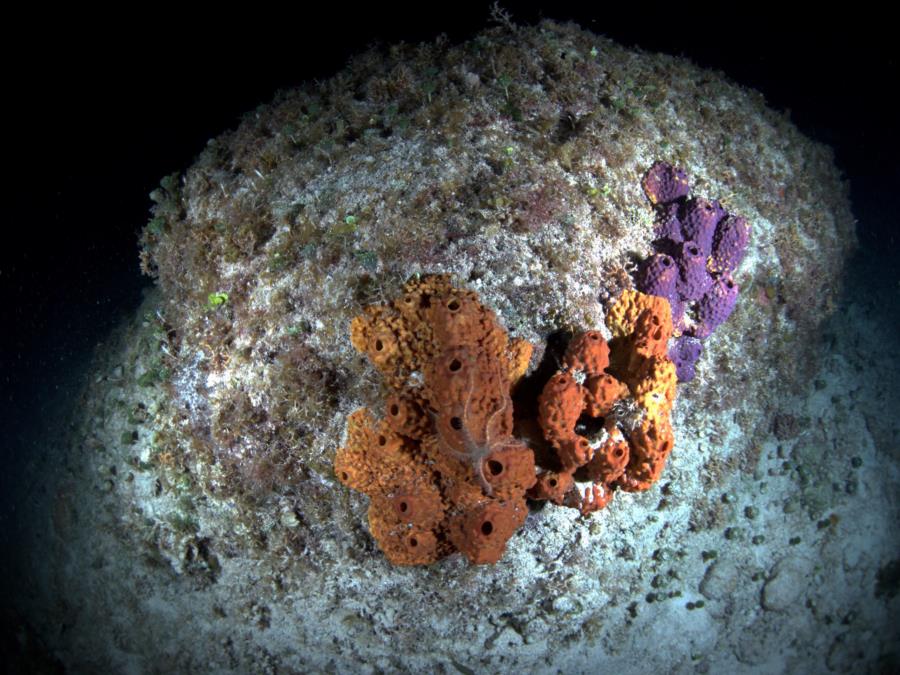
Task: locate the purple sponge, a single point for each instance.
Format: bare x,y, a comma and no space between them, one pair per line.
698,222
685,352
668,224
716,306
657,276
729,244
664,183
704,244
694,279
677,305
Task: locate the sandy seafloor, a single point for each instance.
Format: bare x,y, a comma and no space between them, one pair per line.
770,544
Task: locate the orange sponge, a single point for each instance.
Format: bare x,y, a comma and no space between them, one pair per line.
443,471
577,410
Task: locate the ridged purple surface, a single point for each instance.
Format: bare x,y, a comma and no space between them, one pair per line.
658,275
668,224
664,183
694,280
716,306
730,244
685,352
698,222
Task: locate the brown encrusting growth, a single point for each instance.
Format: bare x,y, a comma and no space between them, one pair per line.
442,468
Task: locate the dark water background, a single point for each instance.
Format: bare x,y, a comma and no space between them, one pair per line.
110,112
99,115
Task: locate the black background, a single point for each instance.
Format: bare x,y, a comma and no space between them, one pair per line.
101,107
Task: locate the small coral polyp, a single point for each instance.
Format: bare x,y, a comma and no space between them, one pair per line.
443,469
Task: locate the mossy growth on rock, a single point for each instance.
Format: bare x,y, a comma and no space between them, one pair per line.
511,162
